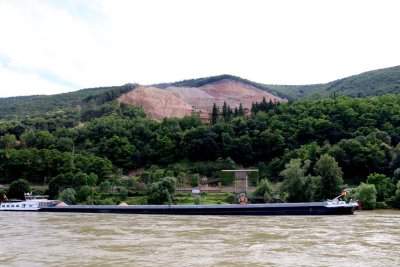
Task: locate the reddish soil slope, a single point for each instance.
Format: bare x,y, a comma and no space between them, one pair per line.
158,103
181,101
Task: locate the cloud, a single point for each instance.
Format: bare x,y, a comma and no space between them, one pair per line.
17,84
44,74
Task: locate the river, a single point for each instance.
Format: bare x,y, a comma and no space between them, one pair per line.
48,239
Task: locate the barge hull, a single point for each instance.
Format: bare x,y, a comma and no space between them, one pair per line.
252,210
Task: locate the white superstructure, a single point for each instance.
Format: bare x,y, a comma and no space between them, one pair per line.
31,203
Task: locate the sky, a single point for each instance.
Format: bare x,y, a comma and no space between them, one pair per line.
55,46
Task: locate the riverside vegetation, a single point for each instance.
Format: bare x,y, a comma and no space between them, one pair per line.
308,150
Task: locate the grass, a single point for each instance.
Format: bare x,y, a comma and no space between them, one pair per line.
206,198
189,199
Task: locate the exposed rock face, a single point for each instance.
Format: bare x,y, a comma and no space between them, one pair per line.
234,93
158,103
182,101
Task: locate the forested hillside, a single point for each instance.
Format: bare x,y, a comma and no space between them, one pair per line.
360,136
372,83
38,105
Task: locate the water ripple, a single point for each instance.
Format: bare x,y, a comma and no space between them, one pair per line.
45,239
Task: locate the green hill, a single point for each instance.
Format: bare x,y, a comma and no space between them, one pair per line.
371,83
21,106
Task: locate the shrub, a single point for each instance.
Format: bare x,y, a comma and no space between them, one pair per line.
396,198
264,190
198,200
381,205
107,201
230,198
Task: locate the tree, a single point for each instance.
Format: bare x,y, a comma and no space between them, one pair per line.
164,149
214,114
122,153
236,112
18,189
105,186
383,184
158,174
366,193
8,141
331,174
200,143
189,122
396,176
241,110
68,196
194,180
226,111
162,192
298,186
84,193
38,139
145,177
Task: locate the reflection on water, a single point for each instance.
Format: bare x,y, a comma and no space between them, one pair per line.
46,239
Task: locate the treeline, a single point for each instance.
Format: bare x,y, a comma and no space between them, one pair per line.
213,79
361,135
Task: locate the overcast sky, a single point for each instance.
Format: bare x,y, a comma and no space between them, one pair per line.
48,47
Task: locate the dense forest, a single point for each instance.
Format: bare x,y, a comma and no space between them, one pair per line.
310,149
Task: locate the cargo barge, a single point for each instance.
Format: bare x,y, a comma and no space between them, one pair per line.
334,207
313,208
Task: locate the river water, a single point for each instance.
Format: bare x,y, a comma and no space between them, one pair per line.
48,239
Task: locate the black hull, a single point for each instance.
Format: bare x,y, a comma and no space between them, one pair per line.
253,210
